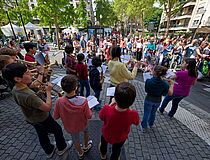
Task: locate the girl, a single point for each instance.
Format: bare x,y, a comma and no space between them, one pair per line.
155,89
185,79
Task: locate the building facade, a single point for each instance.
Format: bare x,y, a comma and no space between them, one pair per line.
195,15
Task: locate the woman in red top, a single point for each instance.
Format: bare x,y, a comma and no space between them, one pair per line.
117,119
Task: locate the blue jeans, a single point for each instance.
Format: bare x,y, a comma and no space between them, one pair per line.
150,109
84,83
175,102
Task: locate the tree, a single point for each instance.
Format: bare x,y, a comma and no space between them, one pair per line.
133,11
171,7
81,14
14,11
105,13
54,12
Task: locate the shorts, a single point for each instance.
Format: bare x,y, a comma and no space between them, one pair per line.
75,136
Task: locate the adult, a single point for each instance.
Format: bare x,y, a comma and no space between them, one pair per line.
184,81
118,71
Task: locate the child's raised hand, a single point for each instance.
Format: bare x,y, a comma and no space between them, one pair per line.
113,102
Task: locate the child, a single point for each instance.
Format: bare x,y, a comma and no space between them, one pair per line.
74,113
70,61
35,110
4,60
117,119
155,89
82,73
95,77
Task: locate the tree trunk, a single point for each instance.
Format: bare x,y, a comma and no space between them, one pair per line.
57,36
168,24
168,16
142,23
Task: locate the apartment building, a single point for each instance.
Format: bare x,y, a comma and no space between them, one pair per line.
193,16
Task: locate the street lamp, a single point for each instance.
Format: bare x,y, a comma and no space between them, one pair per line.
22,21
13,32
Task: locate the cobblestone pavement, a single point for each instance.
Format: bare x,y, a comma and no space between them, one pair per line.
169,139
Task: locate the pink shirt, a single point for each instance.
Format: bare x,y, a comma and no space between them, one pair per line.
73,112
184,83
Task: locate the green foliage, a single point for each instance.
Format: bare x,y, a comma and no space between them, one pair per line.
81,14
54,12
14,12
153,15
105,13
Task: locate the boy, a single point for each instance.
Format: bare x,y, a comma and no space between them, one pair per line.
35,110
74,113
82,74
31,50
70,60
95,76
117,119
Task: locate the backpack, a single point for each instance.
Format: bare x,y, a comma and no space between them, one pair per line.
205,68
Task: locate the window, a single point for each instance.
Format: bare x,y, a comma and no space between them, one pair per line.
195,22
200,10
32,6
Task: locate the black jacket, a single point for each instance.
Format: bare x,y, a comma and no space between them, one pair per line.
94,76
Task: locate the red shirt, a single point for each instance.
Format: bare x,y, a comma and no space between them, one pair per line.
29,58
71,64
116,124
82,71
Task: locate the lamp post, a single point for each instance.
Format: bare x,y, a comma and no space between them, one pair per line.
194,34
21,18
13,32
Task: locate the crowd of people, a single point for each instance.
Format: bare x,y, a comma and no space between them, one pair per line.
83,61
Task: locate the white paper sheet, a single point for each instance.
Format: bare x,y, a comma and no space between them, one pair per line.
147,75
169,74
125,58
104,67
57,81
92,101
110,91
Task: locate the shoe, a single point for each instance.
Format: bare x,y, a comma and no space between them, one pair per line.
103,157
159,111
144,130
69,144
90,144
51,154
151,127
81,156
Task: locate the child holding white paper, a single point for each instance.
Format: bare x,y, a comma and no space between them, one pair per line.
74,113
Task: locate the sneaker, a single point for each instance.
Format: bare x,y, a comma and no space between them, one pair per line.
51,154
159,111
144,130
69,144
86,149
103,157
81,156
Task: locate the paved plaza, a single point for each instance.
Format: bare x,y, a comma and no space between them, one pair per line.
169,139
